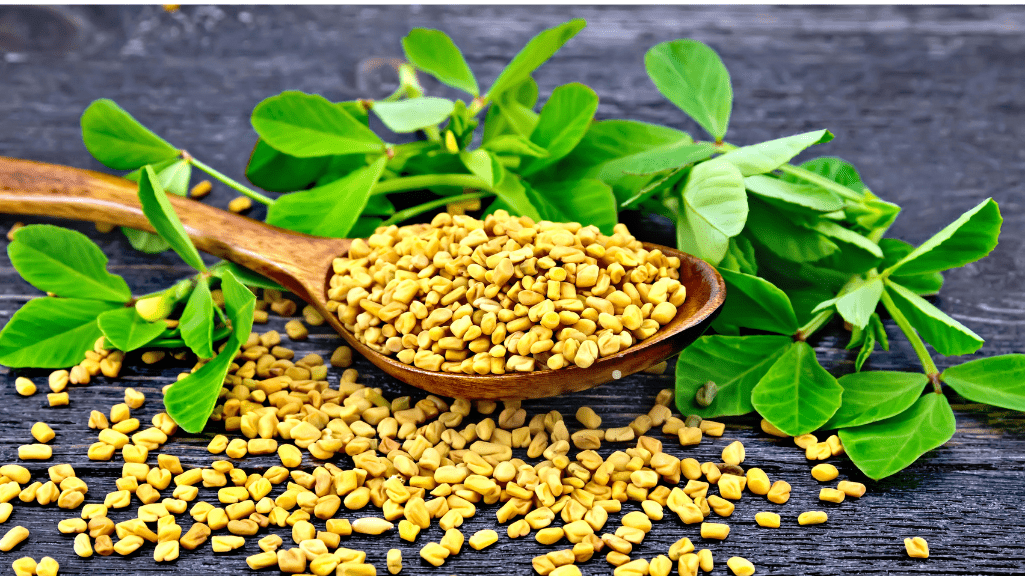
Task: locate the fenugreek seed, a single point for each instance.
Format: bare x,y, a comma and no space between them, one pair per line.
831,495
97,420
740,566
57,399
758,482
714,530
710,428
549,536
201,189
35,452
166,551
565,570
195,537
24,386
706,394
812,517
19,474
768,428
588,418
767,519
733,454
434,553
705,560
690,436
679,548
587,439
13,537
83,546
806,440
262,560
916,547
482,539
128,544
24,566
852,489
240,204
824,472
103,546
296,330
779,493
371,525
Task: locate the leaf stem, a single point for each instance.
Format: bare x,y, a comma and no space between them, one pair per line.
428,206
821,181
916,341
813,325
230,183
424,181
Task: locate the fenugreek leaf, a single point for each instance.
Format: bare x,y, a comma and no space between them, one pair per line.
776,231
128,331
948,336
330,210
858,305
692,76
872,396
883,448
997,381
244,275
587,201
740,257
161,215
808,196
514,144
925,284
413,114
533,55
562,124
797,395
197,321
239,303
734,363
482,164
835,169
767,156
278,172
837,232
51,332
867,338
174,176
756,303
512,191
434,52
308,125
512,112
714,208
118,140
972,236
65,262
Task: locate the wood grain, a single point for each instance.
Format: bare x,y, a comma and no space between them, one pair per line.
925,101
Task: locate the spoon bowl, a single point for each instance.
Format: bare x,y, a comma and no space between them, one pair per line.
303,265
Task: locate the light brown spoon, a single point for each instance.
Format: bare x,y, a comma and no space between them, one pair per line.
302,264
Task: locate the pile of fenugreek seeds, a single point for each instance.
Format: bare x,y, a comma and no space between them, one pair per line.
434,461
503,294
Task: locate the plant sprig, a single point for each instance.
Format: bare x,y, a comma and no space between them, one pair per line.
797,244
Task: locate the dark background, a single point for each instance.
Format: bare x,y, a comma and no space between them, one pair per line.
927,102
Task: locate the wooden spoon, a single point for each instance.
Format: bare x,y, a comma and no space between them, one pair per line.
302,264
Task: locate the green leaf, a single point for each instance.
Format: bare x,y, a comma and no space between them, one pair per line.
873,396
482,164
161,215
858,305
767,156
756,303
660,158
971,237
308,125
127,331
873,215
514,144
692,76
512,112
278,172
51,332
239,303
888,446
118,140
777,232
868,346
190,400
562,124
866,338
197,321
807,196
834,169
413,114
715,208
174,176
533,55
243,275
434,52
838,232
734,363
589,202
740,257
997,381
926,284
948,336
65,262
330,210
797,395
512,191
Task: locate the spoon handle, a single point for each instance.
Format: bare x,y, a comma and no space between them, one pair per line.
296,261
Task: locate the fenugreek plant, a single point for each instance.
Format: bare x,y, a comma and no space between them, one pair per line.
796,244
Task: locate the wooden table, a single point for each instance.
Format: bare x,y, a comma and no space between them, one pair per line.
926,102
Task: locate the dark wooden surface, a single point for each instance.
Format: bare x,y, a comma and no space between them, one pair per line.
926,101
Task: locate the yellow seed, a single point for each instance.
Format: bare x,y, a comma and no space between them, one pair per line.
195,537
19,474
731,486
434,553
852,489
227,543
812,517
824,472
916,547
47,567
291,560
482,539
831,495
35,452
166,551
13,537
768,428
679,548
779,493
767,519
565,570
24,566
240,204
291,457
24,386
128,544
714,530
134,399
660,565
705,561
201,189
758,482
57,399
689,436
83,547
394,561
371,525
740,566
262,560
588,418
549,536
453,540
733,454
